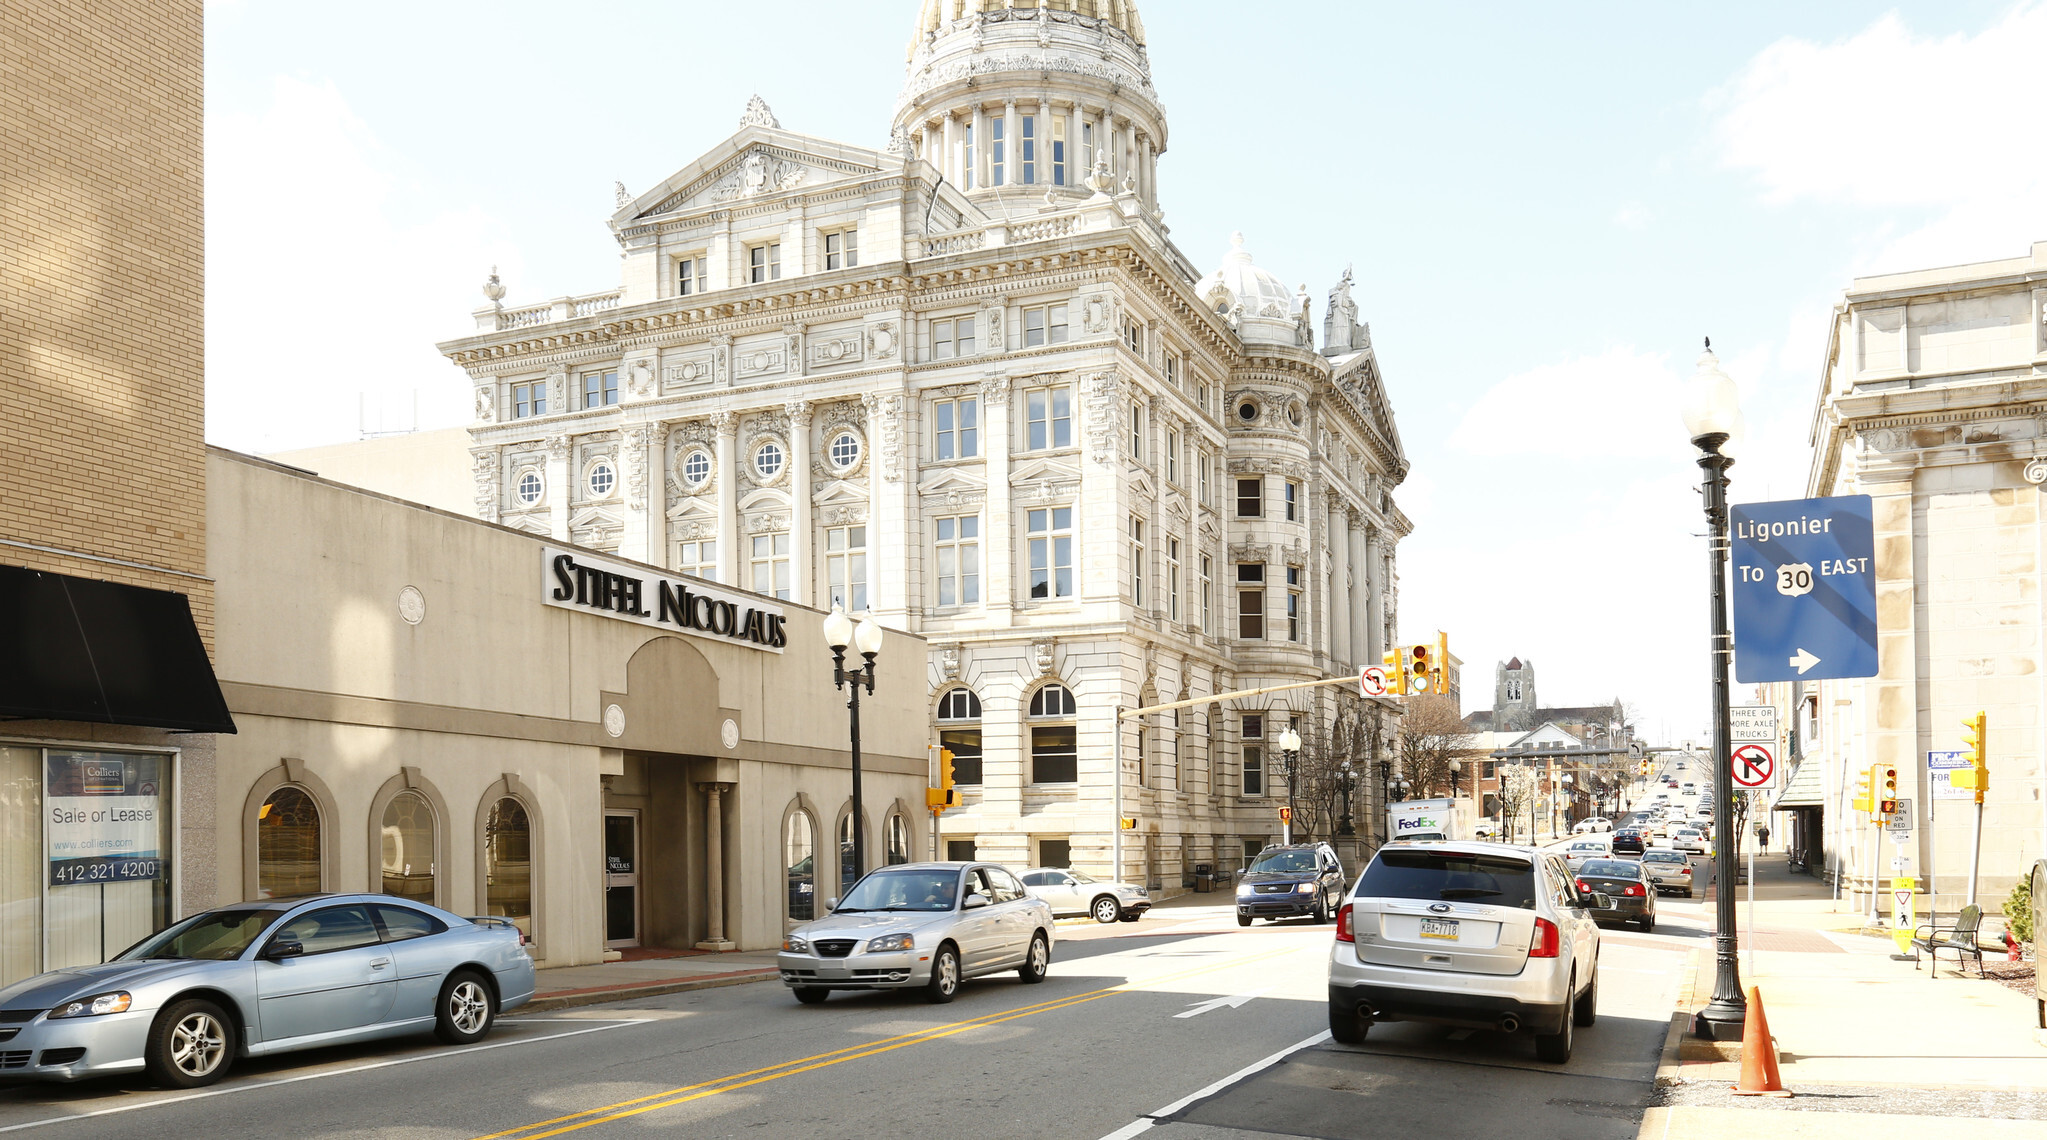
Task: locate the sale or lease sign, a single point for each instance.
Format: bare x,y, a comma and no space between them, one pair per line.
103,817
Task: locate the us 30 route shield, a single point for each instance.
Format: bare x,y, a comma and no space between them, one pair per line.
1804,589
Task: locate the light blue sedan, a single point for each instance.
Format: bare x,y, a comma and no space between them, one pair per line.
265,977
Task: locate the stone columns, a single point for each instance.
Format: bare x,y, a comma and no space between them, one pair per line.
1076,169
977,145
639,467
1373,581
948,162
1360,603
727,425
714,868
998,522
559,488
1339,609
801,563
1009,157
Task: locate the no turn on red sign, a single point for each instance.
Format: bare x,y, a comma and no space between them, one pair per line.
1754,767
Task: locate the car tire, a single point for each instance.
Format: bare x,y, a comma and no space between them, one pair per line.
811,995
1347,1028
1321,910
1555,1048
945,975
1585,1010
1647,924
192,1044
466,1008
1243,920
1688,892
1105,910
1036,961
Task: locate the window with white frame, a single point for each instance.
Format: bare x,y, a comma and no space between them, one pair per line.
1208,595
959,732
1179,752
1027,148
600,389
696,468
770,565
843,452
768,459
1137,431
1251,498
764,262
1293,603
845,561
1055,747
1137,562
956,426
1173,578
952,337
1133,336
601,479
842,248
698,558
1173,369
1172,456
1048,537
1044,324
1252,730
529,399
1201,470
966,164
692,275
1048,418
1293,497
1087,144
998,148
959,560
1058,150
530,488
1251,600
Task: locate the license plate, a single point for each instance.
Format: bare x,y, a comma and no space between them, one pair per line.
1443,928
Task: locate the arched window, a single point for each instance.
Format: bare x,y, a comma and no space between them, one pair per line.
849,873
799,843
407,838
959,730
508,864
898,838
287,845
1055,747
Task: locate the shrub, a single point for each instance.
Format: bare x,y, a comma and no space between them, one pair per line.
2018,910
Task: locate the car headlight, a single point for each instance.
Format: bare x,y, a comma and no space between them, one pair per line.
795,945
1305,888
889,942
1131,892
115,1002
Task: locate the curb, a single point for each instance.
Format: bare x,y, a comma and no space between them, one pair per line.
1668,1066
568,999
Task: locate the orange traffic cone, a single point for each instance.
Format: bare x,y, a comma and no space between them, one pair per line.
1758,1053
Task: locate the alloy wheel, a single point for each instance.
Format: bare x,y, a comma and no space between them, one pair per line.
468,1007
198,1044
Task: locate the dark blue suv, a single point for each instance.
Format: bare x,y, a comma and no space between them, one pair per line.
1291,880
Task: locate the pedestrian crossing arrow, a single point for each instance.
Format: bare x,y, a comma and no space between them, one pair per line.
1201,1007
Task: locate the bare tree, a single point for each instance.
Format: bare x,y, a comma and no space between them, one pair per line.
1517,791
1431,735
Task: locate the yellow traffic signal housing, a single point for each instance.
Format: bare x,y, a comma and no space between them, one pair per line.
1975,734
1421,670
1128,823
1395,661
1885,781
1863,801
943,796
1440,683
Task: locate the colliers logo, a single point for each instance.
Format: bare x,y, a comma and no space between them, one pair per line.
582,582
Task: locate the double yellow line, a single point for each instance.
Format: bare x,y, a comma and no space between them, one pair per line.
669,1098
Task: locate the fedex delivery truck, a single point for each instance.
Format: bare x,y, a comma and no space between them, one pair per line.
1428,819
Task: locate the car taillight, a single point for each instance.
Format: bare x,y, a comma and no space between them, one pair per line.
1687,870
1633,891
1343,931
1547,942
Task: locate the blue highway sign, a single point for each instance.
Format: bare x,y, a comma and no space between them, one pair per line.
1804,589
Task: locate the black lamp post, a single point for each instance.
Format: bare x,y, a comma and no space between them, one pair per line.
1713,421
839,631
1346,779
1456,766
1289,760
1385,794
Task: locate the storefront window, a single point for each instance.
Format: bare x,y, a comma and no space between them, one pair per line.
21,864
287,845
408,847
508,864
800,843
106,838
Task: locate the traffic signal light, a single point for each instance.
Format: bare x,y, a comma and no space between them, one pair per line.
1886,789
1442,664
1863,802
1286,815
942,796
1975,734
1127,823
1395,661
1421,670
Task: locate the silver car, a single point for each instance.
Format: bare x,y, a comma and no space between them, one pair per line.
921,926
1070,892
1478,935
265,977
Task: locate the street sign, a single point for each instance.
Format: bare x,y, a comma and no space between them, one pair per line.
1901,823
1372,681
1804,589
1754,767
1938,767
1752,723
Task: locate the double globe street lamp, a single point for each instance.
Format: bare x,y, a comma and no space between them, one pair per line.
1290,758
865,638
1713,422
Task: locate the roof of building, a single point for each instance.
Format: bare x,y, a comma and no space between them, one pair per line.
1260,292
1513,664
1120,14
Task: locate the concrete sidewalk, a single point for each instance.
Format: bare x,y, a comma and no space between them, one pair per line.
1869,1047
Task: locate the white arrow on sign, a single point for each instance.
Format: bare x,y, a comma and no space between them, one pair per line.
1803,661
1202,1007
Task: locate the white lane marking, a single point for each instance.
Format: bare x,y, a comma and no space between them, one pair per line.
1150,1120
1235,1001
314,1076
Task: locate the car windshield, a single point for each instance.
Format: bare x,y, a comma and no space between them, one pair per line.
903,890
1284,861
1409,874
216,934
1611,868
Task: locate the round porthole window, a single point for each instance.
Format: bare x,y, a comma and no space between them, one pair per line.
844,451
767,460
696,468
602,479
1293,414
1247,411
531,488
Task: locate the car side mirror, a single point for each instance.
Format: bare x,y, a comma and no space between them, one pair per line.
832,903
975,901
284,946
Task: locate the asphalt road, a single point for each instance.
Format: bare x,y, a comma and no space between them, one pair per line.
1125,1038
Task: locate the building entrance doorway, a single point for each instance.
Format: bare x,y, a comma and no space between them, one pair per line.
621,878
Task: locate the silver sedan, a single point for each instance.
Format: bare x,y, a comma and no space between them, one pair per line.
921,926
265,977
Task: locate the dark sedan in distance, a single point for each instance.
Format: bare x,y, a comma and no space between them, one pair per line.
1628,841
1625,886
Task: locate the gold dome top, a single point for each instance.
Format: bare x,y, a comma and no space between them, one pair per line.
1120,14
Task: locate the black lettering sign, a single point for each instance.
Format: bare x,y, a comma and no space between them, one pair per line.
676,604
563,566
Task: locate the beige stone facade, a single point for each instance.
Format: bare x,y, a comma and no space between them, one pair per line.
1933,402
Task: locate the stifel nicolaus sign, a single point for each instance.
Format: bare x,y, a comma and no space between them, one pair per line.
590,583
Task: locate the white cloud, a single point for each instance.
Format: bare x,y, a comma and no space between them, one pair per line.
1894,121
1633,216
1621,403
320,290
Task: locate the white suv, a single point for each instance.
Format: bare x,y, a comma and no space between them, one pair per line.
1478,935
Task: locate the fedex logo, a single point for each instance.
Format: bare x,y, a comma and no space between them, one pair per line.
1417,823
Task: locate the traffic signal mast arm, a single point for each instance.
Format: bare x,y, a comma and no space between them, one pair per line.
1975,734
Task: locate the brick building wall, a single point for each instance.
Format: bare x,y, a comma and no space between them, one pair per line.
102,229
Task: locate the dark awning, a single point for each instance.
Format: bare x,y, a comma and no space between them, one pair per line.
86,650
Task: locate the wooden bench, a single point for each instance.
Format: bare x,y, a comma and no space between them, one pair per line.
1960,939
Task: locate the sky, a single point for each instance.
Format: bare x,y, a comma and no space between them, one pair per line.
1548,206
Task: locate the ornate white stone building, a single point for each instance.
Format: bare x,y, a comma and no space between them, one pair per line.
969,383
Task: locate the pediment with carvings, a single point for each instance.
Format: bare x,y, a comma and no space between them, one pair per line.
758,171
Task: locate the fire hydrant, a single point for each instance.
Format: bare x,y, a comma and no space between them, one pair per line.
2013,949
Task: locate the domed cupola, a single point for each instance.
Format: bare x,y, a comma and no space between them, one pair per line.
1256,303
1022,99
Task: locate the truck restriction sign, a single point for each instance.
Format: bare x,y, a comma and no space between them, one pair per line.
1372,681
1754,767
